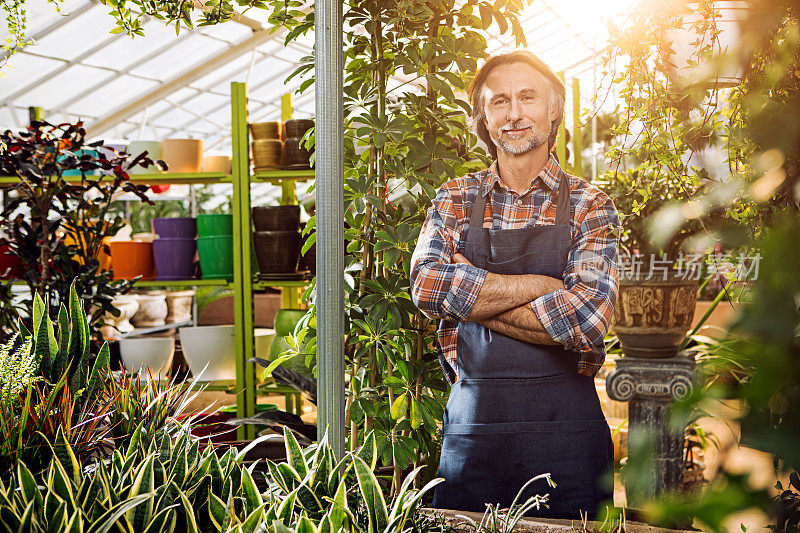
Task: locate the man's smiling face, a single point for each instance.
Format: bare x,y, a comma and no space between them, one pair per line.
516,106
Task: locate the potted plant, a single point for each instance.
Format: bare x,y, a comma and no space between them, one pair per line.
56,225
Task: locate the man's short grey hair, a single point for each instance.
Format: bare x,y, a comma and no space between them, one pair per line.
477,88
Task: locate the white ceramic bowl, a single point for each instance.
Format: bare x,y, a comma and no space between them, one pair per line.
263,338
153,352
154,151
209,345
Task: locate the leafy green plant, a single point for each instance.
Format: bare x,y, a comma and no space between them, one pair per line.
18,367
661,124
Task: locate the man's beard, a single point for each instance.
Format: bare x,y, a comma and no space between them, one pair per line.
537,139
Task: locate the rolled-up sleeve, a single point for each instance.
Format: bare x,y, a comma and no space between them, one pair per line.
440,288
579,315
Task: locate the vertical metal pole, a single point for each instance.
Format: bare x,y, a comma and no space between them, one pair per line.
328,63
561,141
577,133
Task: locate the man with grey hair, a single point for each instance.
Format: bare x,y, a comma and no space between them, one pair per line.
519,261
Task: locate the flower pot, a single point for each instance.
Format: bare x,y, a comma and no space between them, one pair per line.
176,227
277,251
210,351
652,317
154,149
152,309
114,326
179,306
10,265
265,130
77,172
183,155
214,224
286,320
131,258
298,127
267,153
140,353
294,156
276,218
216,256
174,258
263,338
217,163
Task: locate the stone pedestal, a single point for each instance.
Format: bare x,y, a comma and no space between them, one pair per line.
649,386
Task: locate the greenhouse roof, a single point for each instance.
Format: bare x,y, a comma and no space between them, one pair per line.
166,85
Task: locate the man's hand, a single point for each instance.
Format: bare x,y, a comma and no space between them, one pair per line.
502,292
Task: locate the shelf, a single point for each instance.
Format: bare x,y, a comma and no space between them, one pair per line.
156,329
258,284
185,283
148,179
278,175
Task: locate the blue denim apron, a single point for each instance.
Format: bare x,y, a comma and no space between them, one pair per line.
519,409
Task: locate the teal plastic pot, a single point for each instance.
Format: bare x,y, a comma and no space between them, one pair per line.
216,256
214,225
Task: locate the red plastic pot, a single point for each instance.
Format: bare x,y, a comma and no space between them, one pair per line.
10,265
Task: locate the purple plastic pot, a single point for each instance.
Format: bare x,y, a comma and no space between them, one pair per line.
174,258
173,228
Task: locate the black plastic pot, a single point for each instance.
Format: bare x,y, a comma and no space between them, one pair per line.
276,218
277,252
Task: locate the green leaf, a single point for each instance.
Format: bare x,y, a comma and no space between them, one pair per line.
98,369
373,497
143,483
400,406
369,450
28,484
416,415
251,494
304,525
106,521
294,454
60,363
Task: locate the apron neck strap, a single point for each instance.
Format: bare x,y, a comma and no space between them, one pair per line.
479,209
562,211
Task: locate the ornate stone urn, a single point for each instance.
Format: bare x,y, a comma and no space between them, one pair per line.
114,326
653,315
152,309
179,306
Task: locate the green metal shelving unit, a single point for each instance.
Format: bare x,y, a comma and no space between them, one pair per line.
243,283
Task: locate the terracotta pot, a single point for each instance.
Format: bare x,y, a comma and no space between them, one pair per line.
267,153
652,317
127,305
183,155
276,218
152,309
131,258
179,306
154,149
217,163
265,130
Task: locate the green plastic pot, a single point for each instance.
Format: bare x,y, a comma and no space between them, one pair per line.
216,256
286,320
214,225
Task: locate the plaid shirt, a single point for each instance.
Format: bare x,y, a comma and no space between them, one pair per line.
577,316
